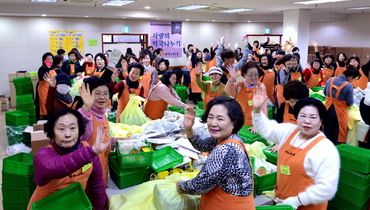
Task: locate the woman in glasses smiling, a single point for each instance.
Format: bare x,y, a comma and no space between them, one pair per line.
243,91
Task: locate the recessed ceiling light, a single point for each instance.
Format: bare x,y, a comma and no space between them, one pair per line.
157,18
43,15
191,7
43,0
187,19
358,8
318,1
86,16
147,7
213,21
116,3
124,17
236,10
248,21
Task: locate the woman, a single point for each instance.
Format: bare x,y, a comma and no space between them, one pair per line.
226,179
129,86
294,91
131,59
256,48
149,78
88,66
72,66
129,52
340,65
242,91
161,95
211,89
328,68
196,60
67,159
101,64
339,97
313,76
96,93
269,76
58,96
363,71
42,86
163,65
57,63
122,71
308,163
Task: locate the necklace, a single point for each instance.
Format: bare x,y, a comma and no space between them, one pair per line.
304,141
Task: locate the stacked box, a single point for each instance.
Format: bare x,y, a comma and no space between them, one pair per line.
23,85
181,92
18,181
248,137
265,183
25,103
354,180
166,158
16,118
270,157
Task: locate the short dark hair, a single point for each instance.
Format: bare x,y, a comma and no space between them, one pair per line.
95,82
205,50
315,60
166,77
295,89
309,101
136,65
87,54
49,125
344,55
179,73
280,52
328,55
142,56
353,57
102,56
286,58
158,50
269,59
351,71
166,62
57,59
227,53
248,65
190,45
150,47
60,52
258,43
295,49
133,57
234,111
46,55
72,52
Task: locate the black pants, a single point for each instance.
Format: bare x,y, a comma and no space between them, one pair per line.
331,126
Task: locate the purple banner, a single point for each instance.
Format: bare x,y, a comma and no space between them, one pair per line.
168,36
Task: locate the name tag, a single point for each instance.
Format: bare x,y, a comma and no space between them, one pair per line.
324,75
300,78
285,170
319,79
250,103
86,167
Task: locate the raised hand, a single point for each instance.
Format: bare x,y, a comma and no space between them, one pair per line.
245,40
314,43
222,40
259,97
211,44
189,116
253,130
86,96
232,72
50,79
99,145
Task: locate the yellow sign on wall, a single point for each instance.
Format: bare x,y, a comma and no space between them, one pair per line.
66,40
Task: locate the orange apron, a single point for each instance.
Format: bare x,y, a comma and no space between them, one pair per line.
72,69
155,109
58,184
269,80
314,81
244,98
98,74
288,118
125,97
339,70
298,180
341,109
362,82
255,54
279,90
146,80
104,156
327,73
42,90
207,65
194,87
218,199
89,69
212,63
209,95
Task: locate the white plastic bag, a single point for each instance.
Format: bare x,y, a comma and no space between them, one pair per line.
17,148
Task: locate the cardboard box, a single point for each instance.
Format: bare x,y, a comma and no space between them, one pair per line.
38,139
5,105
354,51
39,126
13,102
365,52
21,75
341,49
12,76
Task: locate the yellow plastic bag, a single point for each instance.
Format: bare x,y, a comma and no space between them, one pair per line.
75,90
256,150
133,114
123,130
354,117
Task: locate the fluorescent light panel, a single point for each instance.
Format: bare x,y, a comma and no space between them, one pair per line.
44,0
116,3
318,1
236,10
358,8
192,7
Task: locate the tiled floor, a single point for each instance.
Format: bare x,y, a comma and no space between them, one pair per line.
3,145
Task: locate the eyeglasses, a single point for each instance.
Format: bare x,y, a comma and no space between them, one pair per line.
252,75
97,95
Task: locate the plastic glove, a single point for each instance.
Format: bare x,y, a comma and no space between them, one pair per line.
292,201
367,95
236,45
222,40
245,40
114,57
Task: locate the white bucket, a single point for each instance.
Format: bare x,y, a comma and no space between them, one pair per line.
362,130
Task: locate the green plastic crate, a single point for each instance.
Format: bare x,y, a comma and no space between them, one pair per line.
14,206
181,92
343,203
260,190
19,164
128,177
266,181
24,101
198,112
253,160
248,137
16,181
206,78
317,89
201,105
354,193
318,96
354,177
72,197
34,74
176,109
16,118
166,158
354,158
17,195
279,207
112,117
271,157
271,110
136,160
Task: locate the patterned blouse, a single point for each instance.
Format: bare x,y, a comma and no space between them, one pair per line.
227,167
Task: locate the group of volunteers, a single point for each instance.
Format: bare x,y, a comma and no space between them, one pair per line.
308,162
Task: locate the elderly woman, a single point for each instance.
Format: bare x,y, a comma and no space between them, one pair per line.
308,162
226,179
161,95
67,159
72,66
